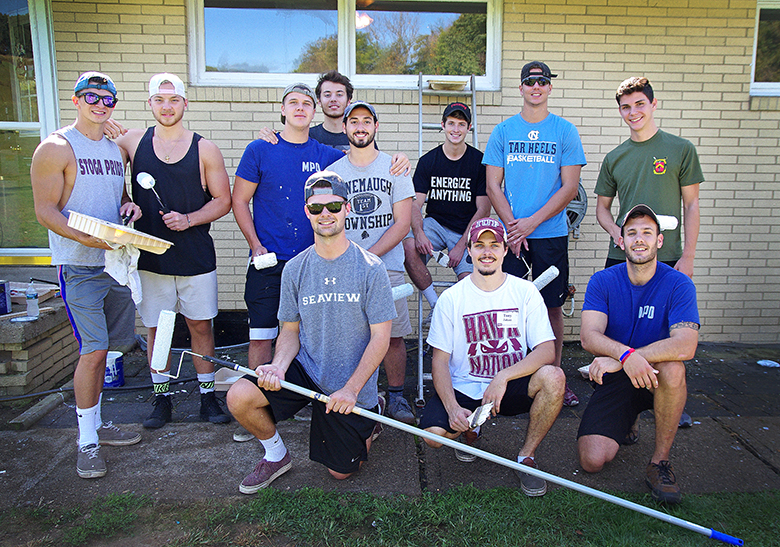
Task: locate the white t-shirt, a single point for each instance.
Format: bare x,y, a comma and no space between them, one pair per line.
485,332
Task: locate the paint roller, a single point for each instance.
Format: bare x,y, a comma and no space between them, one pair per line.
547,275
166,321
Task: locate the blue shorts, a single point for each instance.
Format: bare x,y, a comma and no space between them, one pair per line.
515,401
261,294
101,311
541,254
337,441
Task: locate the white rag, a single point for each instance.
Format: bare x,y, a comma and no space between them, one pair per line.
122,265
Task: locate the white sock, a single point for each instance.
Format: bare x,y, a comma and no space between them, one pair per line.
87,432
521,458
430,295
98,416
274,448
162,384
206,382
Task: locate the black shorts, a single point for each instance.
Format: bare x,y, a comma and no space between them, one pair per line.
541,254
515,401
261,294
614,262
613,407
337,441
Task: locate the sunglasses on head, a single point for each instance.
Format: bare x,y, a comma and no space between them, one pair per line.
533,80
109,101
333,207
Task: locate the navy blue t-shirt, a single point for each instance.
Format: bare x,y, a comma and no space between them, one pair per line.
280,172
641,315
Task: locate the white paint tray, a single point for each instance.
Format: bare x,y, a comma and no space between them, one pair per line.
114,233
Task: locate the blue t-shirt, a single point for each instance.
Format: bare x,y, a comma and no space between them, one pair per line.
280,171
532,155
640,315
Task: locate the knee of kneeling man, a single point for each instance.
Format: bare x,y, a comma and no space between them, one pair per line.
591,464
671,373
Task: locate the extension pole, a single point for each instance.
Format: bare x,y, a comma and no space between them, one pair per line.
709,532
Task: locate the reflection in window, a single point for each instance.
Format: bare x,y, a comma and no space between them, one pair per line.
18,225
244,36
768,46
18,99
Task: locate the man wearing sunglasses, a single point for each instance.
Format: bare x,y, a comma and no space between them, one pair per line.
538,156
336,312
77,169
381,216
191,181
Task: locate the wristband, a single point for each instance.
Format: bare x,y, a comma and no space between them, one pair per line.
626,355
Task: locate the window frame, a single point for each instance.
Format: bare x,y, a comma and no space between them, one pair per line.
762,89
346,55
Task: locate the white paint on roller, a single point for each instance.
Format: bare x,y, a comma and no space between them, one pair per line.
480,415
547,275
667,222
402,291
145,180
264,261
162,340
442,258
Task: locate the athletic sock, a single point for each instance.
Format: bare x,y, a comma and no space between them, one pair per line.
87,432
430,295
274,448
206,382
161,383
521,458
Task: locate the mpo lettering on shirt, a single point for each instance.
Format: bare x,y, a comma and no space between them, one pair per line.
494,341
96,166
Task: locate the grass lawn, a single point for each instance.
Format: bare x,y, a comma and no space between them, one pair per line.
461,517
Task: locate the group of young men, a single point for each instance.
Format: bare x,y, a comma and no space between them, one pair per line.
343,228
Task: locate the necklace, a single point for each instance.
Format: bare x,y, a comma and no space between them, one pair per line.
167,158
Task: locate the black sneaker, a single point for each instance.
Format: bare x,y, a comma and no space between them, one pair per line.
210,411
662,482
161,414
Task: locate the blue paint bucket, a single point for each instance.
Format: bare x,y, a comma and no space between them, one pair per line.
115,370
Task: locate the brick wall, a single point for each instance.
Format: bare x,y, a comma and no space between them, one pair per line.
697,53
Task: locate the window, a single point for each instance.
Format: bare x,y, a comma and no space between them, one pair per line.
377,43
766,53
27,114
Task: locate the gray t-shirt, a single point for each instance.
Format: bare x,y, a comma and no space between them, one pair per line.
372,193
335,302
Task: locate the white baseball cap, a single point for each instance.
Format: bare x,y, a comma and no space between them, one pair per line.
166,78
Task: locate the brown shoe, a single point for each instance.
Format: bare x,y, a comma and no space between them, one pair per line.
663,483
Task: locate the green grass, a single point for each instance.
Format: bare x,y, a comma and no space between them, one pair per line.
459,518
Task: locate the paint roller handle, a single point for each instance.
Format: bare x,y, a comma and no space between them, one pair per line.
725,538
547,275
163,207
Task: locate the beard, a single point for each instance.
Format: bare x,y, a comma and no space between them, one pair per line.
633,259
364,144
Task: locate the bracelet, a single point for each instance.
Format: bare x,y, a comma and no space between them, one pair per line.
626,355
188,220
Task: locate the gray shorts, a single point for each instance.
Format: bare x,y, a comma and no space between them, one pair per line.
100,310
401,324
195,296
443,238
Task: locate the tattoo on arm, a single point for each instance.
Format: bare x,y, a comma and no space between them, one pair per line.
685,325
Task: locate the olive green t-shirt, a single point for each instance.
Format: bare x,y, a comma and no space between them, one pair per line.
651,172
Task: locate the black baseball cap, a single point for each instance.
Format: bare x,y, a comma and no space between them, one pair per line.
457,107
526,71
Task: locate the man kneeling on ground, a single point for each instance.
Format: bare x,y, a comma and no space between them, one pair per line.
492,343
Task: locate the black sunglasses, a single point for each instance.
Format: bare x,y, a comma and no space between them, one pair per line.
333,207
93,98
532,81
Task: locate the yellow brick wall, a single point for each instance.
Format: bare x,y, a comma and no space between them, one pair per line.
697,53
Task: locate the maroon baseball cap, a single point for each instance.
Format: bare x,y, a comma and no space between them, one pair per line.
490,225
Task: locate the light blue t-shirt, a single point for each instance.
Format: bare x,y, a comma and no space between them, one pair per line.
532,155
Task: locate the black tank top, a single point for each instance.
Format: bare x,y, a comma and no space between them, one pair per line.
179,187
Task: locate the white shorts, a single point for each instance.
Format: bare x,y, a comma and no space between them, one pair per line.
401,324
195,297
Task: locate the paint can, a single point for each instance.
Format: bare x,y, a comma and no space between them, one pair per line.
5,297
115,370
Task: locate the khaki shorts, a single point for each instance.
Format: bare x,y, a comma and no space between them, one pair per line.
195,296
401,324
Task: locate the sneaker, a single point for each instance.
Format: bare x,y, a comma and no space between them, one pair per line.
468,438
264,474
241,435
161,414
685,421
398,409
90,464
378,427
210,411
531,485
111,435
569,398
662,482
